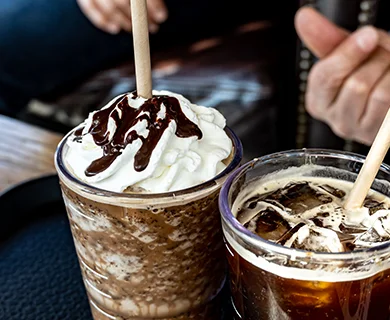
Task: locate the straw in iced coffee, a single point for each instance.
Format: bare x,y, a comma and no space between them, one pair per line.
370,167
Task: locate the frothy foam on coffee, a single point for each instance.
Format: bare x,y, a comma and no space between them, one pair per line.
297,210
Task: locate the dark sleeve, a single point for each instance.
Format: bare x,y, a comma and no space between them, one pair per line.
383,14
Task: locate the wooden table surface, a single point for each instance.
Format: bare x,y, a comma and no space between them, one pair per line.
26,152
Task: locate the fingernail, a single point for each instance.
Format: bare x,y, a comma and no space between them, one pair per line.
113,28
153,28
367,38
161,16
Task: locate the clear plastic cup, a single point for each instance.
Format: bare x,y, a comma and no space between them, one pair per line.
270,281
148,256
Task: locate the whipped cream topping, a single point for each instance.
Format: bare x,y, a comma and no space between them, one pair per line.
161,144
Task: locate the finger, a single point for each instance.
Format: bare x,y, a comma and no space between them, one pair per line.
122,14
376,110
327,76
124,7
106,7
123,20
157,11
114,14
355,92
319,34
322,36
94,13
384,39
157,14
354,49
153,27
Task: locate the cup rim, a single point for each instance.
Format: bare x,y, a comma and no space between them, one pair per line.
62,170
239,230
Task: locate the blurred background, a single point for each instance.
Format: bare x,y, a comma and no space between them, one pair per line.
242,58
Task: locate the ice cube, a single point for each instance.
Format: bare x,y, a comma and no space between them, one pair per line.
268,224
349,229
315,239
254,208
347,240
289,233
300,197
368,238
333,191
373,205
252,202
251,208
318,222
378,229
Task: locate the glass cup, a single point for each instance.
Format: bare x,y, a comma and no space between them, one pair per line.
149,256
270,281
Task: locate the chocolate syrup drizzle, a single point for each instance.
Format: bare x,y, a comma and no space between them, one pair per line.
125,118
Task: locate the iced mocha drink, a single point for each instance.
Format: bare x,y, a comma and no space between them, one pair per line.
294,252
140,181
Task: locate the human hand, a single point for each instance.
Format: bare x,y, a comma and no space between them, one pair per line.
349,87
113,16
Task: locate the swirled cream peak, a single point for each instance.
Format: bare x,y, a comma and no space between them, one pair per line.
161,144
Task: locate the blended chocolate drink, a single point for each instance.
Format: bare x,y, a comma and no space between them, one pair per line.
294,252
140,180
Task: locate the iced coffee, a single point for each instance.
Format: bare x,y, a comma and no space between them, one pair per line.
294,252
140,180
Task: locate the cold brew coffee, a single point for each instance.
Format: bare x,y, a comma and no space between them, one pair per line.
294,252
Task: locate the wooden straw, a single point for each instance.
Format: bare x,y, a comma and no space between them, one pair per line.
143,73
370,167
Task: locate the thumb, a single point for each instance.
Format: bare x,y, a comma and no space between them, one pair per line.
157,10
319,34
